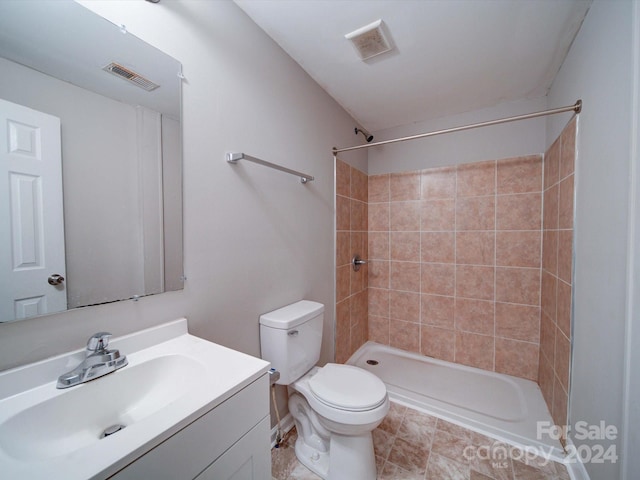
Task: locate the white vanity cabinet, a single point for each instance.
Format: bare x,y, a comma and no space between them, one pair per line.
230,442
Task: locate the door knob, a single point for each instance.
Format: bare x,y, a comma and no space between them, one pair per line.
55,279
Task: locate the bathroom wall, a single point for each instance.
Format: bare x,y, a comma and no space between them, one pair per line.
602,68
507,140
557,272
351,239
455,258
255,239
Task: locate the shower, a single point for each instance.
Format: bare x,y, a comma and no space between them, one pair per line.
366,134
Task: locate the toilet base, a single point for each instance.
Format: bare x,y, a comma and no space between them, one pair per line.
349,458
330,455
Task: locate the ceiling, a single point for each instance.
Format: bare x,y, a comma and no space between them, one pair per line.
449,56
43,35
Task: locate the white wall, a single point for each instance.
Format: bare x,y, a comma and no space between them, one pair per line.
102,231
255,238
599,69
487,143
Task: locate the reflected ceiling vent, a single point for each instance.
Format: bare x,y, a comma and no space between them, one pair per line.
131,76
370,40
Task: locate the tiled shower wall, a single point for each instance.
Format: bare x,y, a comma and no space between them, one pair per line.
455,258
557,255
351,239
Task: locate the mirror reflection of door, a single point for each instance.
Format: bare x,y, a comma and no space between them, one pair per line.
32,254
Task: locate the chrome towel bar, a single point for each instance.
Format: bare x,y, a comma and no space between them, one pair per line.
234,157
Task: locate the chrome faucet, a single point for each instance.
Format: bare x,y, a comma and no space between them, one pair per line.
99,362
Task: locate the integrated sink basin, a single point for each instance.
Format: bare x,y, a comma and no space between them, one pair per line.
172,379
65,423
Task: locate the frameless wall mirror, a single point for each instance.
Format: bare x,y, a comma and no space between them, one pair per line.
90,161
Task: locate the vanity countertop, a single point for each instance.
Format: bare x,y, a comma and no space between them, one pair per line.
172,379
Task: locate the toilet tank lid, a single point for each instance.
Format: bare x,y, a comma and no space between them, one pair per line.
292,315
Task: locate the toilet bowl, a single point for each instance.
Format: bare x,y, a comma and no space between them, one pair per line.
341,406
335,407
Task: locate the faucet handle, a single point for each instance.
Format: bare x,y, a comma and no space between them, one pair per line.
98,341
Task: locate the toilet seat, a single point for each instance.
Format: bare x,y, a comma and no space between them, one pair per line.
349,388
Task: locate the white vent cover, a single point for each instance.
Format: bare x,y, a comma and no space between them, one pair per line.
131,76
369,40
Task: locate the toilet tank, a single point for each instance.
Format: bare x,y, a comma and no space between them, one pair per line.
290,338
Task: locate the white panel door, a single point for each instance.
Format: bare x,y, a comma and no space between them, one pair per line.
31,218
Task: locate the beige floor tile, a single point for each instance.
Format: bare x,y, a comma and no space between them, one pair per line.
410,445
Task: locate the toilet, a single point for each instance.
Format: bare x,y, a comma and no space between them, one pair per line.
335,407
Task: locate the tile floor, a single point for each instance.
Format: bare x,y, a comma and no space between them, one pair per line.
411,445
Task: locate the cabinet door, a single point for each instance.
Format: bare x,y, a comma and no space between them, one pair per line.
248,459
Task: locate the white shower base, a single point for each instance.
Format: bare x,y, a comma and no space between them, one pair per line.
500,406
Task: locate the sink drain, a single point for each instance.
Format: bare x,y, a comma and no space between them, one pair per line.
372,362
111,430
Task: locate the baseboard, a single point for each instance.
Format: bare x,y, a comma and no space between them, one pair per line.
286,424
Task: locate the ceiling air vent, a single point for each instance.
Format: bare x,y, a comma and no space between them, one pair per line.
370,40
131,76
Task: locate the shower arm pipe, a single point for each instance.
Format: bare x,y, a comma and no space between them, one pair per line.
577,108
234,157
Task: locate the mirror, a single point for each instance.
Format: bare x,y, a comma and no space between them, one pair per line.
92,209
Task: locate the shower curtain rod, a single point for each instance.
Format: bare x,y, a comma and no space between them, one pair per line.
577,107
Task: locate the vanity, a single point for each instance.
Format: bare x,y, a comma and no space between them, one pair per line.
183,408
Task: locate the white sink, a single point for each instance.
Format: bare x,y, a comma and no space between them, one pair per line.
172,379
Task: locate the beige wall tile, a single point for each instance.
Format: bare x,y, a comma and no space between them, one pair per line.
568,149
564,308
343,248
474,350
550,251
552,165
404,216
379,329
475,248
404,276
343,178
475,282
438,278
359,185
565,255
550,214
378,217
437,342
518,248
378,187
476,316
518,285
519,175
563,359
476,179
378,274
437,215
438,183
518,322
565,203
437,247
519,212
475,213
343,213
437,310
404,186
404,335
404,306
405,246
514,357
549,296
378,302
